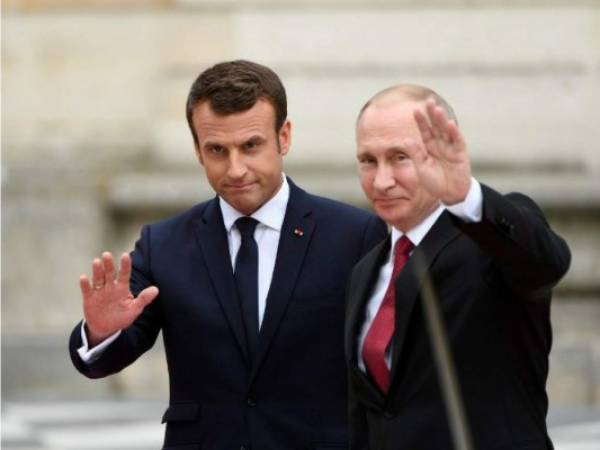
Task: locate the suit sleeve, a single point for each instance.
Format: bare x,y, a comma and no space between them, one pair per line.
514,231
136,339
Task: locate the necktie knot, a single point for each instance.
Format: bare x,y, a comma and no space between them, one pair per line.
246,226
403,247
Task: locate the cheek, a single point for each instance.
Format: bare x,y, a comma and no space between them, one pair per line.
214,171
406,176
269,165
366,182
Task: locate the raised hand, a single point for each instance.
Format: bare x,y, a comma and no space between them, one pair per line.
108,305
442,162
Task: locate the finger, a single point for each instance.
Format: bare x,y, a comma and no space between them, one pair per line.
125,268
424,128
430,141
455,136
97,274
430,107
439,121
109,268
146,296
84,285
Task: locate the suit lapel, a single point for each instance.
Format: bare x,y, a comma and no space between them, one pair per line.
410,280
212,237
296,233
364,275
359,292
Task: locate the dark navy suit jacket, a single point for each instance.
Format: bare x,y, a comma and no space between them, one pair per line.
294,394
493,280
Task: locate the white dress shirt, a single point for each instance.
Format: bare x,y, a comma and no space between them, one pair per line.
469,210
270,220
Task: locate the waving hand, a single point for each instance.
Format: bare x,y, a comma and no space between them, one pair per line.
442,161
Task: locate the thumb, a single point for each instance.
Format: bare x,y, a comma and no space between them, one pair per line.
146,297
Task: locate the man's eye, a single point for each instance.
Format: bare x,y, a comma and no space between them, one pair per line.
217,149
250,145
366,161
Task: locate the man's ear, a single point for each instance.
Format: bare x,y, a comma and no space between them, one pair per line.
285,137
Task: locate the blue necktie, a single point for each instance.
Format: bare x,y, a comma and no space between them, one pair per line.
246,280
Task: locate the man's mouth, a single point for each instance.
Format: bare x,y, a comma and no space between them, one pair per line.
240,186
388,199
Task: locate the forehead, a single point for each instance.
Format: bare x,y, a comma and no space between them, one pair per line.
257,120
388,121
397,114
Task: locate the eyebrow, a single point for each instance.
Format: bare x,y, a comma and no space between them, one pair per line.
252,138
388,151
396,149
210,143
256,137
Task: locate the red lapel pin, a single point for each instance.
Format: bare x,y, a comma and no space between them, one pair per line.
298,232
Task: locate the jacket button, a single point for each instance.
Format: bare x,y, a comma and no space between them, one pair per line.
250,401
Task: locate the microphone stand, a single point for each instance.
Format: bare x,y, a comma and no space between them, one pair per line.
446,371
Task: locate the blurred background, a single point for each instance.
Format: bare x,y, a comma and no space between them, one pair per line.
95,143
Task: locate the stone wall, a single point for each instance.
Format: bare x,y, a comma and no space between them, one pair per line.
95,142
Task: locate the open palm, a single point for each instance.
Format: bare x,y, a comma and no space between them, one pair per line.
108,305
442,161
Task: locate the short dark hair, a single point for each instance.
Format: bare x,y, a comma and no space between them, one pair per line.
235,86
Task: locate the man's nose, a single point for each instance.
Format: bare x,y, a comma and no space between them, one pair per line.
384,178
237,166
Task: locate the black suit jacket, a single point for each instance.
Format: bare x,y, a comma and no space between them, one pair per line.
493,281
293,395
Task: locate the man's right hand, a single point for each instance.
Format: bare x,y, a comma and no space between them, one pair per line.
108,305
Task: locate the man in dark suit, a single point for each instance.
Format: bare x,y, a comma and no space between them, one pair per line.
492,260
247,288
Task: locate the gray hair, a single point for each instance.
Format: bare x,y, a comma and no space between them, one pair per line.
411,92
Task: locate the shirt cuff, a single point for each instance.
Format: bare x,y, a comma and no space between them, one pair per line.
469,210
88,355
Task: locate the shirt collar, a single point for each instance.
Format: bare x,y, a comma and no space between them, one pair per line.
417,233
271,214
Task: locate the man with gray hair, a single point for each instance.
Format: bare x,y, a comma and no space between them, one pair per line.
492,260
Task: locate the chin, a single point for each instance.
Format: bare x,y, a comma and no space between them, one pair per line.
390,218
246,207
387,218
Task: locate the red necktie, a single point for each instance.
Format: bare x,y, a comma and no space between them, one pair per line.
380,334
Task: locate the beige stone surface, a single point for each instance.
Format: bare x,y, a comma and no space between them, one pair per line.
110,87
509,119
76,85
463,39
53,5
51,229
387,4
574,362
61,5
